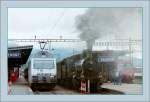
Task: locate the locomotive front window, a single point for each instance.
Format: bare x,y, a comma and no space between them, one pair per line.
44,64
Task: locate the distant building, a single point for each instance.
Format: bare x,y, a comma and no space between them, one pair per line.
131,73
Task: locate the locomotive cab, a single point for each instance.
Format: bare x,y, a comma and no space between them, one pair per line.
41,71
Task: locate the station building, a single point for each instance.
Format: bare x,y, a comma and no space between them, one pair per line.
17,56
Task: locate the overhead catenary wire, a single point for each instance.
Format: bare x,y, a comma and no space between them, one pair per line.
58,20
56,23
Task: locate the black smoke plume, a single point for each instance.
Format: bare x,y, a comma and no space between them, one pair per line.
98,22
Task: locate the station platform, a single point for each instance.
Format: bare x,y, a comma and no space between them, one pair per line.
128,89
20,87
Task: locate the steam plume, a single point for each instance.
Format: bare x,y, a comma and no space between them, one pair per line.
98,22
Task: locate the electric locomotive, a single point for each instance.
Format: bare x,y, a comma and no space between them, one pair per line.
41,71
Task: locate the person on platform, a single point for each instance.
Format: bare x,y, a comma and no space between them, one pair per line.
116,77
119,79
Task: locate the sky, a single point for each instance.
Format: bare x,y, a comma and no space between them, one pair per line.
42,22
53,23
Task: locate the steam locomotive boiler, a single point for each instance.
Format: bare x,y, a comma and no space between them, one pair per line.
86,67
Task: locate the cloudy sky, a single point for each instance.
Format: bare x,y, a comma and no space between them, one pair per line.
55,22
42,22
50,22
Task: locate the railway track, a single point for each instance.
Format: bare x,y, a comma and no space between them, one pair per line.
56,90
64,91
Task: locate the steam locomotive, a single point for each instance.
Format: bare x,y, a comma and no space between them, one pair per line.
88,67
40,71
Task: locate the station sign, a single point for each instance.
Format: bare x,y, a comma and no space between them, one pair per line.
106,59
14,54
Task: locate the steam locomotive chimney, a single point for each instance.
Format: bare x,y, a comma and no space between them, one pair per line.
88,53
90,43
89,47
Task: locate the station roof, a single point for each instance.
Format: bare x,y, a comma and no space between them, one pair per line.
20,47
18,55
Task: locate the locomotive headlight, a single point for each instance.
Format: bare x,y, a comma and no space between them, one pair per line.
52,76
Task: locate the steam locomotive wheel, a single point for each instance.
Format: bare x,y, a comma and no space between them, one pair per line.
75,83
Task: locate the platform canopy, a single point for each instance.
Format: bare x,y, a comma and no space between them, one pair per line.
18,55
